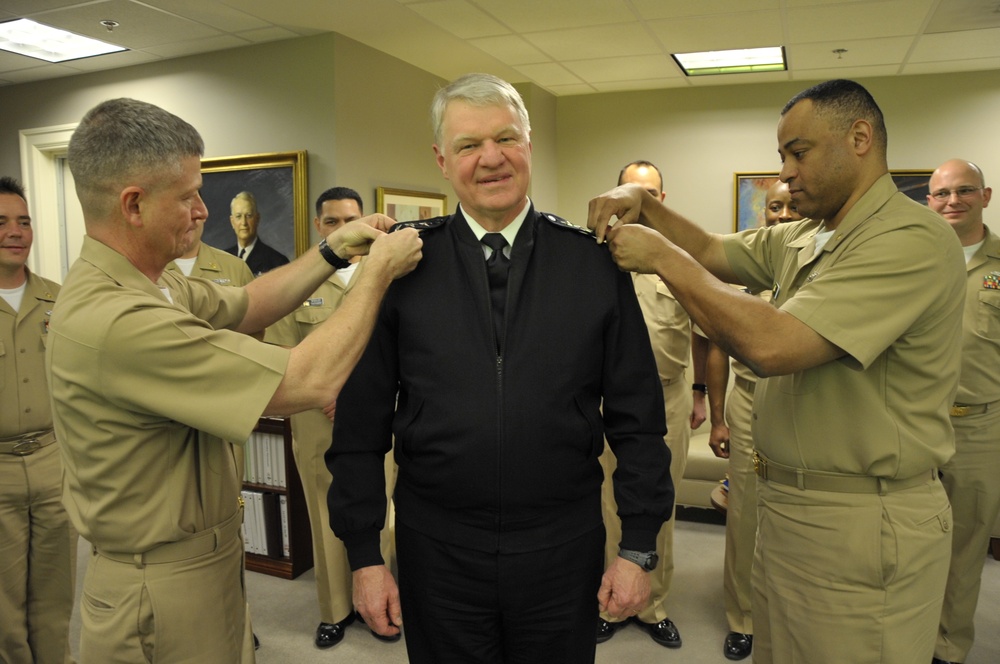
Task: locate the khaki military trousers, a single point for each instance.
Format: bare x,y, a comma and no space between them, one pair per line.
741,515
37,560
972,480
849,577
311,435
678,402
185,611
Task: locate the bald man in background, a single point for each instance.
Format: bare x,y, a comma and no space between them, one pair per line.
958,192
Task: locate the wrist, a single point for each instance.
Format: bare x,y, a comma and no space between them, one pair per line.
699,387
331,257
647,560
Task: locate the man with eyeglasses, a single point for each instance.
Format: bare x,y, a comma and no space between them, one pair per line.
959,194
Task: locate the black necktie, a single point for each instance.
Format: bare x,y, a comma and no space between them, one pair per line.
496,269
243,252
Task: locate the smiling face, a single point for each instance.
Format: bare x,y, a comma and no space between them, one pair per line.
779,208
335,213
486,154
964,212
818,163
244,219
15,237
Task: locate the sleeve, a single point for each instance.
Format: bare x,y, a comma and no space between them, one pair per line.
362,436
635,424
150,351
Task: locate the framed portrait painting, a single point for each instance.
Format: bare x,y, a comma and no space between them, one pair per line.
750,199
278,183
404,205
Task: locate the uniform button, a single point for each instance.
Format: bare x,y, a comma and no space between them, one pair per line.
23,350
27,410
24,380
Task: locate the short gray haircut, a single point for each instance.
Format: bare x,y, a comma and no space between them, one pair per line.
125,142
478,90
244,196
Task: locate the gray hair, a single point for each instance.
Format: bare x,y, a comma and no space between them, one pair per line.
124,142
478,90
244,196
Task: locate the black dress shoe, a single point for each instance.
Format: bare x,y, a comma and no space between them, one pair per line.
330,634
664,632
737,646
256,641
605,629
935,660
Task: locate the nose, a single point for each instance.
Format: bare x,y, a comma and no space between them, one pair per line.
492,155
200,210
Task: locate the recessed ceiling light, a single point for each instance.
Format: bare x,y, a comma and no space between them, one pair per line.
35,40
739,61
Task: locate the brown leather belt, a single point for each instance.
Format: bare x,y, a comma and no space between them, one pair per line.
196,545
964,409
744,384
27,443
816,480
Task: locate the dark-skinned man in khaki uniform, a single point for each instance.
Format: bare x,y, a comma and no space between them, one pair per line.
151,373
312,430
860,354
958,192
37,541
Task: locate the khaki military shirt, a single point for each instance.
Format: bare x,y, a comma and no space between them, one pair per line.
296,326
24,393
143,391
668,323
887,289
218,266
980,378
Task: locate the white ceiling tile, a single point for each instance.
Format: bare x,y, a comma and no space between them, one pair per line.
195,46
216,14
268,34
977,64
873,19
648,84
536,15
845,72
716,33
561,90
863,52
512,49
549,73
738,79
460,18
604,42
121,59
965,45
631,68
653,9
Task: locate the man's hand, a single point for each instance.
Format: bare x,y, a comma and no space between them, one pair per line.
624,203
698,412
624,589
636,248
330,410
718,440
376,598
356,237
399,252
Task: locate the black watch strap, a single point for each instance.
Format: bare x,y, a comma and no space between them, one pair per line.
332,258
644,559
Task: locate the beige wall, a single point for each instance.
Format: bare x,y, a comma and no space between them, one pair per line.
363,117
700,137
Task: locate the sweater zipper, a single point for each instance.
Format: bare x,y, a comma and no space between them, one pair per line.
499,376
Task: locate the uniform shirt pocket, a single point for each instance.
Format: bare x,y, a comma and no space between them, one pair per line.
988,315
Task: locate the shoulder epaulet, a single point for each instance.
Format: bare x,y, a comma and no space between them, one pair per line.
420,224
562,223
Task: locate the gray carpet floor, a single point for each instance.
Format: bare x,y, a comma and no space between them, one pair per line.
285,615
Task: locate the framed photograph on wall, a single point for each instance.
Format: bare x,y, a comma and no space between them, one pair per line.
404,205
914,183
278,182
750,199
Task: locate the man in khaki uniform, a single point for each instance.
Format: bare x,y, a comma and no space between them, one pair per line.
861,351
730,438
312,430
958,192
151,372
673,342
37,541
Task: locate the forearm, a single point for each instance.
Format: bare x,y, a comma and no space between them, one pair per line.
704,247
319,366
717,379
277,293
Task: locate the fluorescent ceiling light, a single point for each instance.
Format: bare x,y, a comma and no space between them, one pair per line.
740,61
35,40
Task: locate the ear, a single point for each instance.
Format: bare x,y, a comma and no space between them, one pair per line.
987,193
439,158
861,136
317,226
131,200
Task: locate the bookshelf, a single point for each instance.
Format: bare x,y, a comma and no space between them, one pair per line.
294,556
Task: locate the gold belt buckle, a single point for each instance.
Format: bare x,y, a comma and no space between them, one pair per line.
959,411
759,465
26,447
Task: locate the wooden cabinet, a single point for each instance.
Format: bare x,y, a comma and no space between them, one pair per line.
295,555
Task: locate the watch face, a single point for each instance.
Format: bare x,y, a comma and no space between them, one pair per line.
651,561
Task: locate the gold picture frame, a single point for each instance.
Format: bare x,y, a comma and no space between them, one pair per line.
279,183
407,205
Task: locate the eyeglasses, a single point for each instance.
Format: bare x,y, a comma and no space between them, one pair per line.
961,192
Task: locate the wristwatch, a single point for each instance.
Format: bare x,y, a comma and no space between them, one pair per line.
330,257
644,559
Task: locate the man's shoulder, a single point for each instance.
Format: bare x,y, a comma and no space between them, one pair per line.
423,225
555,221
